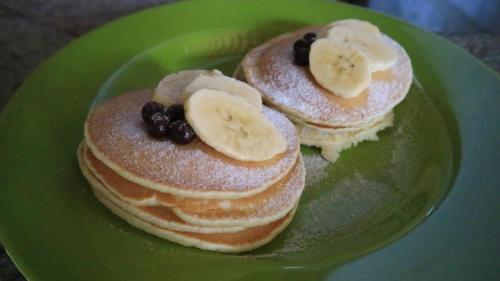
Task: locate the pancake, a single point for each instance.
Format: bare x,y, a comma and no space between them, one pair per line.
318,136
115,134
336,129
332,143
261,208
160,216
293,90
241,241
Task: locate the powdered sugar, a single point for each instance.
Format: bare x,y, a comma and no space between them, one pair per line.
117,131
338,211
291,88
316,168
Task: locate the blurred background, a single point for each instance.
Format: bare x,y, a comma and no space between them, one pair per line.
32,30
443,16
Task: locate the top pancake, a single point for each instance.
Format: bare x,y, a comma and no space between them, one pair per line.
116,134
293,90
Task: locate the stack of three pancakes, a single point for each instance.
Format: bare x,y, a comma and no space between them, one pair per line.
190,194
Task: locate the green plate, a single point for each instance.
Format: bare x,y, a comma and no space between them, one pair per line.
442,152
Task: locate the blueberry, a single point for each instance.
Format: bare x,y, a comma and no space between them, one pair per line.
159,118
300,45
157,131
301,57
310,37
149,109
157,126
175,112
181,132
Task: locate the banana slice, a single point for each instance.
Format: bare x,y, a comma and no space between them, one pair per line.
233,126
341,68
360,25
169,89
380,55
226,84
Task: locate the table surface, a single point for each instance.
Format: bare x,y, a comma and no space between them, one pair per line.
32,30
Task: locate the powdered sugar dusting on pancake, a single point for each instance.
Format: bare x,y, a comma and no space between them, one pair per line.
292,88
116,135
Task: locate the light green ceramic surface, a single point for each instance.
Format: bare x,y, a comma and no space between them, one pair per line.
443,141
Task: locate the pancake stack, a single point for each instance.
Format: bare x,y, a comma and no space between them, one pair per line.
323,118
190,194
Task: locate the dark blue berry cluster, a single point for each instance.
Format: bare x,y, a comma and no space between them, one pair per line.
302,47
168,122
